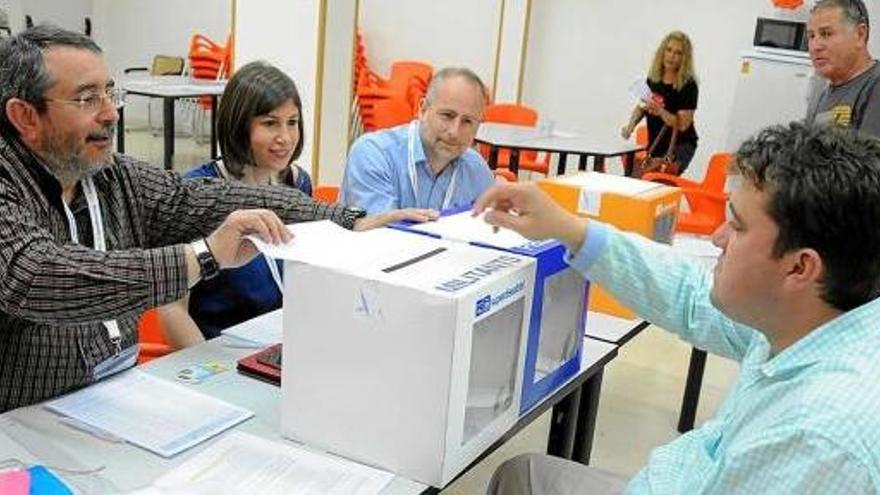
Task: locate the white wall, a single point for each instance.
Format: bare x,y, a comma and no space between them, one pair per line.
131,32
607,45
15,12
287,39
442,33
69,14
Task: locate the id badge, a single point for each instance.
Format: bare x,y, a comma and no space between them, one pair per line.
114,364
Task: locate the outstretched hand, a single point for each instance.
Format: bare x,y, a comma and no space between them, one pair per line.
526,209
228,243
418,215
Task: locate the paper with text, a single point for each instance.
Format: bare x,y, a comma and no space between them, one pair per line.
159,415
243,464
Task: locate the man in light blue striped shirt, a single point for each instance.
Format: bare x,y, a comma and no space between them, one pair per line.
793,298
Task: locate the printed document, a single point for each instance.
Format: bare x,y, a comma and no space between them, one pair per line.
159,415
243,464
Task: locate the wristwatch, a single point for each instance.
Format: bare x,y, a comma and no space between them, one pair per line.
350,214
208,266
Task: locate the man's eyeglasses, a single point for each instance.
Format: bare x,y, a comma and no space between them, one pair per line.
93,102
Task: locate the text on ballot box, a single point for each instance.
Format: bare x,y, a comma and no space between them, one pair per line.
633,205
558,313
401,351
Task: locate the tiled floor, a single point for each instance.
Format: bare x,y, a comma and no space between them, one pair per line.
641,390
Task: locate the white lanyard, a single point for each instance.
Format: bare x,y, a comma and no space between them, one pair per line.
411,166
100,242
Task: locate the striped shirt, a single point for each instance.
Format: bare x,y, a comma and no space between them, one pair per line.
806,420
54,294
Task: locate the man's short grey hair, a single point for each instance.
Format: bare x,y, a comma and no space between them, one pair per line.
854,11
23,72
448,72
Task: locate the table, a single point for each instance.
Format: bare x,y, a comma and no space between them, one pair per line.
519,138
39,432
170,88
39,436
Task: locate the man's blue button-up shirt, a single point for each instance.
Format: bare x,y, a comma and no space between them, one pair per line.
377,177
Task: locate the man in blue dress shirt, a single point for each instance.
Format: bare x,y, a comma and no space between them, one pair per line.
793,298
428,163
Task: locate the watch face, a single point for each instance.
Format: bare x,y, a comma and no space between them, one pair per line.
356,211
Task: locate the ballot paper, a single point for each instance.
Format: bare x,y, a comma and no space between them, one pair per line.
323,243
464,227
639,90
243,464
159,415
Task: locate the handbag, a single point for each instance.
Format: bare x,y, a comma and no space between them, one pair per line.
665,164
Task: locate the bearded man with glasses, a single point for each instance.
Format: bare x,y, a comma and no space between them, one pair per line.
838,33
90,239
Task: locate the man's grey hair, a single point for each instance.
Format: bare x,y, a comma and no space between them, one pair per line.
448,72
23,72
854,11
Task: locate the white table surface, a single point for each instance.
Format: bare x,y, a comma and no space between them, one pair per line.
507,135
173,86
33,434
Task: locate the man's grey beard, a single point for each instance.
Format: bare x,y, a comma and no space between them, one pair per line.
69,166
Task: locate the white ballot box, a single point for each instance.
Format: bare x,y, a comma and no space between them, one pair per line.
559,309
401,351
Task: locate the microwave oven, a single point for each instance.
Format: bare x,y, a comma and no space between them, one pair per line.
782,34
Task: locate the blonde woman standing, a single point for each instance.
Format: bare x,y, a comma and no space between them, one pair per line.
673,100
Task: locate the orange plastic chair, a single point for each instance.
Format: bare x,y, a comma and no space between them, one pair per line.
208,60
505,174
522,115
326,194
641,140
151,337
706,200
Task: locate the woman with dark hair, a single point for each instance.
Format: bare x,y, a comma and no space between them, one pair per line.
260,130
673,99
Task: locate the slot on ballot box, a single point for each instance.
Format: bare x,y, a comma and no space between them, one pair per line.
632,205
558,312
401,351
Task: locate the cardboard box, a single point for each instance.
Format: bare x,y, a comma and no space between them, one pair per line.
559,309
401,351
646,208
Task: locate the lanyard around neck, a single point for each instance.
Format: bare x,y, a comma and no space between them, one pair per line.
99,240
413,134
270,262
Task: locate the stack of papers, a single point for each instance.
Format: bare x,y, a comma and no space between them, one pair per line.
156,414
244,464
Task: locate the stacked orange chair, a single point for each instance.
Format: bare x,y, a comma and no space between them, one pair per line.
385,103
522,115
151,337
706,200
382,103
326,193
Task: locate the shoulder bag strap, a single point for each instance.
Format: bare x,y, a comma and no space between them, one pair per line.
656,140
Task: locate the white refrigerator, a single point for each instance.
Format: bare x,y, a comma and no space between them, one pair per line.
773,87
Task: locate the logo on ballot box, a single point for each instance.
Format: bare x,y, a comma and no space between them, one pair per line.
484,304
487,302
